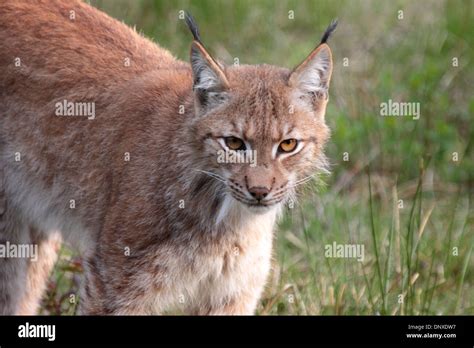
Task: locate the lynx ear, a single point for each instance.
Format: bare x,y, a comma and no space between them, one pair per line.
209,80
311,78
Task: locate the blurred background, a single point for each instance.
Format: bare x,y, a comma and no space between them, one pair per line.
401,187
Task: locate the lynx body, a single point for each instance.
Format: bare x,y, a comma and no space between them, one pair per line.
161,224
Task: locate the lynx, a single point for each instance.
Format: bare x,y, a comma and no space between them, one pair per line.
137,190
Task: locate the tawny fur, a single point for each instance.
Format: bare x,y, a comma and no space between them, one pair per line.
158,234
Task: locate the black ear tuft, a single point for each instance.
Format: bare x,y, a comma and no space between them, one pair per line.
193,27
330,29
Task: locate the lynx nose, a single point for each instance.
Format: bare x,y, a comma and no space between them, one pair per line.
259,192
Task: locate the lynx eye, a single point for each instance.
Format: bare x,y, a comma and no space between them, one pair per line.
288,145
234,143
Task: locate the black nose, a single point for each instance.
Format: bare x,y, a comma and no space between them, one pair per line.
259,193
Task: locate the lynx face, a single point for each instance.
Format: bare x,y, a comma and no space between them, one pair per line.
266,122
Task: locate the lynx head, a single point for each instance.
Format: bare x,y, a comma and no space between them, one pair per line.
260,129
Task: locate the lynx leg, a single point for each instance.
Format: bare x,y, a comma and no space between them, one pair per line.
240,305
38,271
92,289
108,288
13,270
243,302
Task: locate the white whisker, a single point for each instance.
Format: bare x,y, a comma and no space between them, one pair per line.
303,180
212,175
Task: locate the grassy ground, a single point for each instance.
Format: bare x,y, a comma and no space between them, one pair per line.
415,216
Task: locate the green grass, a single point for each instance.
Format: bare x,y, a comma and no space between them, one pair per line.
409,250
406,252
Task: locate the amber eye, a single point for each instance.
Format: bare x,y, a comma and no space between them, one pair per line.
288,145
234,143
